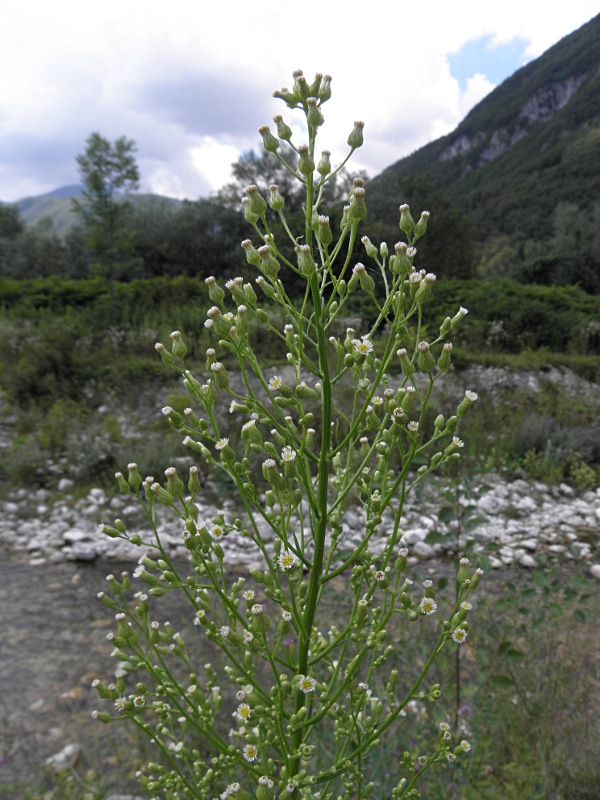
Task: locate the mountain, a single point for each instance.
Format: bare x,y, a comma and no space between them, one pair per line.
57,206
524,162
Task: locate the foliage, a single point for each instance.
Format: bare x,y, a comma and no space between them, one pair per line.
106,170
310,704
524,154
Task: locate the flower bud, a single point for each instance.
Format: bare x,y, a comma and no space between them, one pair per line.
269,265
175,485
324,165
372,251
249,215
406,364
305,163
313,89
220,375
360,274
356,138
323,231
251,434
401,262
216,294
258,205
252,256
357,209
270,143
424,290
407,223
276,201
300,89
306,264
178,347
324,92
421,225
164,354
444,359
194,481
314,116
290,99
425,359
165,497
466,403
283,131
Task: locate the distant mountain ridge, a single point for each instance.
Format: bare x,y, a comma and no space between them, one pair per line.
530,144
58,207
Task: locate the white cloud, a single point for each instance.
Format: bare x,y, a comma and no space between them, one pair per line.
191,81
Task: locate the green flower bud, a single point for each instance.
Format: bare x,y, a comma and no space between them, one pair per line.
466,403
249,294
301,89
102,716
406,364
258,205
290,99
323,231
270,143
356,138
407,223
444,359
164,354
446,326
372,251
249,215
357,209
175,485
162,494
194,481
313,89
269,265
123,485
345,221
421,225
324,165
305,163
276,201
178,347
306,263
251,434
283,131
324,92
424,290
216,294
463,570
360,274
425,359
314,117
252,256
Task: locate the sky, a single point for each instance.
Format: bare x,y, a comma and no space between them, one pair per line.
191,81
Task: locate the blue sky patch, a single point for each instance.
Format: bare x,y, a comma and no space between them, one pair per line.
496,62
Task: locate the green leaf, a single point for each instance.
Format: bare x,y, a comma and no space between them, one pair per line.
435,537
502,680
446,514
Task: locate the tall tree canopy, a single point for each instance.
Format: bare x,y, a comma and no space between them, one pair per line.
109,172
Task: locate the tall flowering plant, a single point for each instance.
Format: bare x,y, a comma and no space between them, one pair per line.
303,700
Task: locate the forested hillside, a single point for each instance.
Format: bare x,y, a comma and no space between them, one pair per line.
518,182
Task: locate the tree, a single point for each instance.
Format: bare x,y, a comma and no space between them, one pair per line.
109,172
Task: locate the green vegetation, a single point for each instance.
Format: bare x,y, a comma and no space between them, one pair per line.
523,167
66,348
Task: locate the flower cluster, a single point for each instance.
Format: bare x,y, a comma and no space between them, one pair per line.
344,421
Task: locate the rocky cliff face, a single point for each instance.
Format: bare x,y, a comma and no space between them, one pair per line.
541,107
